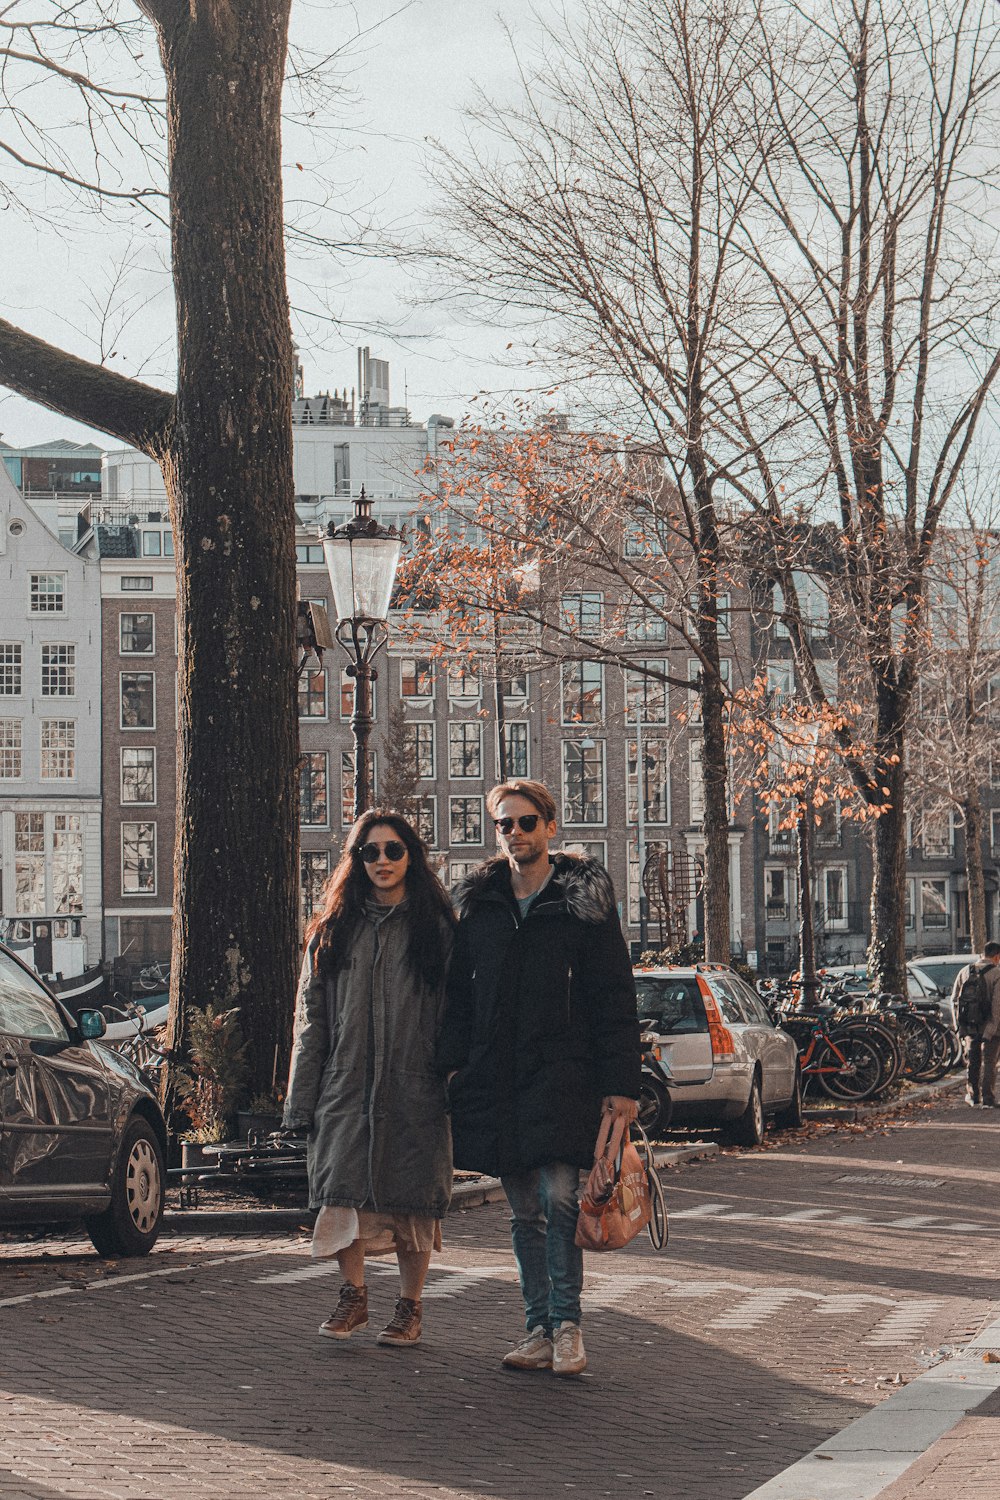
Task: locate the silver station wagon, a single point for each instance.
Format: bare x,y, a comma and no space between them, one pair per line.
727,1065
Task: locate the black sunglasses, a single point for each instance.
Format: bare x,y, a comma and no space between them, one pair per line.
393,850
527,823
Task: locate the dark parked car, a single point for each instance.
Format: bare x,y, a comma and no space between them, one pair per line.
81,1133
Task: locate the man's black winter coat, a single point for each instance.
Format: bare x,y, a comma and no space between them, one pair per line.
541,1018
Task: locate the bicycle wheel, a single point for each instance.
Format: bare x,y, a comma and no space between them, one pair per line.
918,1047
850,1068
885,1041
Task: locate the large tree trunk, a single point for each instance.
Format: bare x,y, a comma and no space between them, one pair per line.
973,812
715,768
887,953
228,469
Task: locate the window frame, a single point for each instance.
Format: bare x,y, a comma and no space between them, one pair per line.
125,750
136,728
65,669
139,823
478,799
135,614
15,666
36,594
602,807
70,750
458,735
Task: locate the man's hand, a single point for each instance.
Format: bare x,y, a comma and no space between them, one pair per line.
621,1107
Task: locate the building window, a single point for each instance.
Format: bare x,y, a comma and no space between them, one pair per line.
694,678
138,700
583,781
312,694
936,835
515,734
465,749
696,782
347,785
723,609
58,671
29,864
516,685
10,749
933,903
814,606
835,897
416,677
135,635
138,780
582,613
778,893
995,831
314,804
655,851
826,823
466,818
314,872
48,593
582,692
589,849
58,749
425,820
655,780
10,669
910,906
133,584
308,552
645,620
463,681
646,694
418,742
67,864
458,869
151,543
138,859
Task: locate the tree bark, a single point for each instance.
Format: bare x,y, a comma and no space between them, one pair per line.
887,953
228,470
973,818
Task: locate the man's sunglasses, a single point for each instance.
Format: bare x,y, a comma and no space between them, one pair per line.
393,850
527,823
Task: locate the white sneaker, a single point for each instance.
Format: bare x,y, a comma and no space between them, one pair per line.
534,1352
568,1355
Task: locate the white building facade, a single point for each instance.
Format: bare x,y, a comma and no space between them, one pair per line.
50,741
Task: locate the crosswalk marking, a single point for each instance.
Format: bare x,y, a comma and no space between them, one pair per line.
903,1324
761,1307
723,1213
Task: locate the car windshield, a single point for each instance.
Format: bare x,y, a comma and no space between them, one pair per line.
670,1005
25,1008
943,974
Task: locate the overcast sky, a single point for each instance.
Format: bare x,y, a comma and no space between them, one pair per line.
411,79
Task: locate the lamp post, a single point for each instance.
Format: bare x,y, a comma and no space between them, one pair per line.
806,749
362,558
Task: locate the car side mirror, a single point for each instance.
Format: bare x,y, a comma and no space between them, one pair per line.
91,1025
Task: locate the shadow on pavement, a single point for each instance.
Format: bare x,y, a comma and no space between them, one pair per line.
659,1413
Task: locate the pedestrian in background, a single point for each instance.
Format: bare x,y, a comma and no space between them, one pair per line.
541,1035
363,1078
982,1035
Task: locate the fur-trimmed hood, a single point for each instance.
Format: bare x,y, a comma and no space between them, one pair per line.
581,884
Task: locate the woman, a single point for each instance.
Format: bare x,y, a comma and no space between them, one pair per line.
363,1078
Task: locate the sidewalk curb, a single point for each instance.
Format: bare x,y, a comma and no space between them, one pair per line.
466,1195
871,1453
866,1111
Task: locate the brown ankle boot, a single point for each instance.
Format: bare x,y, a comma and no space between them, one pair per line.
405,1327
350,1313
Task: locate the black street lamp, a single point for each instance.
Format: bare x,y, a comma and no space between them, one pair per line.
362,558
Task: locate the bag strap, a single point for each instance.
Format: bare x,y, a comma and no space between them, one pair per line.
610,1138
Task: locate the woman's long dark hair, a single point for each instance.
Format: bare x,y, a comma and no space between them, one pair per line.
342,902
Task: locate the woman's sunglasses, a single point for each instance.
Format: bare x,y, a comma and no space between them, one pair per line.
393,850
527,823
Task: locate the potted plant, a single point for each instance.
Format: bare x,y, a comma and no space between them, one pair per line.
262,1114
216,1077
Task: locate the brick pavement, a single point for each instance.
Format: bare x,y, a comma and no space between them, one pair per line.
758,1334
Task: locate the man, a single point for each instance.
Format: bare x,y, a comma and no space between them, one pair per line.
540,1036
983,1041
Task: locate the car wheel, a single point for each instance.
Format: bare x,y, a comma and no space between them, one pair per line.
131,1223
791,1117
748,1130
655,1105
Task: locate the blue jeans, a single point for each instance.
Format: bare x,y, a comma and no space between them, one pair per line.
544,1205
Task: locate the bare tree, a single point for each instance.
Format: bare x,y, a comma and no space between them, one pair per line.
604,210
223,440
872,229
